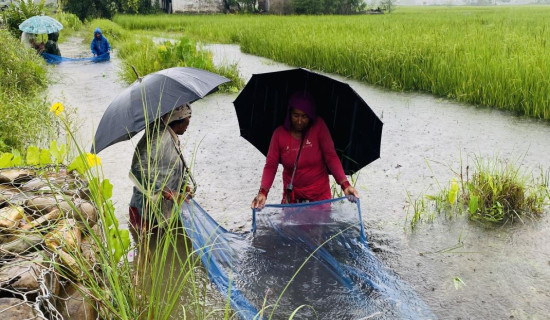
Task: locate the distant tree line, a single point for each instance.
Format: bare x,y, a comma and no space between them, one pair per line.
328,6
108,8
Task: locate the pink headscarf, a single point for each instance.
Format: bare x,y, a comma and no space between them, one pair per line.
304,102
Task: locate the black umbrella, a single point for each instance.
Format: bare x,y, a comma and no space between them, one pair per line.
149,98
356,130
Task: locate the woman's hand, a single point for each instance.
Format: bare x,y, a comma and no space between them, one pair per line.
172,195
351,193
259,202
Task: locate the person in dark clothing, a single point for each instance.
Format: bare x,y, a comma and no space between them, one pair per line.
100,46
51,46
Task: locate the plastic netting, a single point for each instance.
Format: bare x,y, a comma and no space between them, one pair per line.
310,261
54,59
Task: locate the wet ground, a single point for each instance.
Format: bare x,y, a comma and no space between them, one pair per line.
505,271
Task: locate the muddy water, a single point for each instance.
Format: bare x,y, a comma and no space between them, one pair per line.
505,271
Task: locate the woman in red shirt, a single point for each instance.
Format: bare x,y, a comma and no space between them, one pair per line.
305,137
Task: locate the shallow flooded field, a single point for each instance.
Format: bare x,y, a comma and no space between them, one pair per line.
505,271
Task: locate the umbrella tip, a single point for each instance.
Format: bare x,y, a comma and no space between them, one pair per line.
137,74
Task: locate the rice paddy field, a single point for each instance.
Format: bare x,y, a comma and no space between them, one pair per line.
488,56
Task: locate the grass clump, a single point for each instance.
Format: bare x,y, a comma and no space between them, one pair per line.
24,112
497,192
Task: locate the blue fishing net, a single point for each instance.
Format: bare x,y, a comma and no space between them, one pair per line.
310,261
54,59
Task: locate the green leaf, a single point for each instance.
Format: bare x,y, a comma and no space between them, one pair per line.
106,189
78,164
33,156
17,161
58,153
6,160
45,157
453,192
474,204
109,210
120,241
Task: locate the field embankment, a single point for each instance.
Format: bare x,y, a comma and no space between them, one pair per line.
495,57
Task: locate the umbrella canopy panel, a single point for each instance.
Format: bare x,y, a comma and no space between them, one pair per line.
150,98
355,129
40,25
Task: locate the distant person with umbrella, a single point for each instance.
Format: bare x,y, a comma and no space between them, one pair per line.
100,45
304,146
158,166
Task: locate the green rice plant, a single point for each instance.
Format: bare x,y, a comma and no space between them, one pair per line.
494,57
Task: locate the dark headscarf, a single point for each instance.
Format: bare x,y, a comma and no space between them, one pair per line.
53,36
304,102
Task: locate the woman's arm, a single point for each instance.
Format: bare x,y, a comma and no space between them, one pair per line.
332,161
270,170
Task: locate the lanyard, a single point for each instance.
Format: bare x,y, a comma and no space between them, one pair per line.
290,187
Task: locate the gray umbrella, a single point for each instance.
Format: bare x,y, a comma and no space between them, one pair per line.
149,98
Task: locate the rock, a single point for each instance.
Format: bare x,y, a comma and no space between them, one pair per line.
85,213
34,184
20,244
44,204
10,217
13,308
18,175
73,305
66,235
7,192
22,273
48,218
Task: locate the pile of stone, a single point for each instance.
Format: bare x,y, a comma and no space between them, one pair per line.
46,223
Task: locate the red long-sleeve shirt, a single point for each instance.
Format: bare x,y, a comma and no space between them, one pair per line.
311,180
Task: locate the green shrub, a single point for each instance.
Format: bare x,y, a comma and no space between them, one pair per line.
24,116
21,69
148,57
19,11
24,121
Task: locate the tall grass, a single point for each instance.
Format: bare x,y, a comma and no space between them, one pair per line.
24,116
495,57
165,281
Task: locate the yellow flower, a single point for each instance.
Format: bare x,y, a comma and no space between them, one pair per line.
93,159
162,48
57,108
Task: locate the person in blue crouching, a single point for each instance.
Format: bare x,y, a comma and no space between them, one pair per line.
100,46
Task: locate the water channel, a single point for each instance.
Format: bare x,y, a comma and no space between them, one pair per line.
505,271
